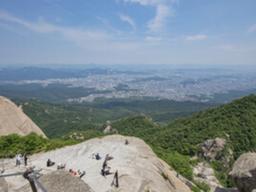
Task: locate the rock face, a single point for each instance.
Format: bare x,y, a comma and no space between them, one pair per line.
244,172
204,173
211,147
3,185
139,170
14,120
60,181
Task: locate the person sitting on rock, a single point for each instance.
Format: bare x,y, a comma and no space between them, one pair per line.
107,171
49,163
81,174
72,172
61,166
108,157
97,156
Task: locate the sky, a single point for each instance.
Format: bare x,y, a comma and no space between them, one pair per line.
206,32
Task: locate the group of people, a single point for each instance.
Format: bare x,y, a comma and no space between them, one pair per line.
106,170
77,173
21,158
60,166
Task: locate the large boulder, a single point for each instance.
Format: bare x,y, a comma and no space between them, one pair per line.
244,172
139,169
60,181
217,150
205,174
211,148
14,120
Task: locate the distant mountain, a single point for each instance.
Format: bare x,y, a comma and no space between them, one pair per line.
13,120
40,73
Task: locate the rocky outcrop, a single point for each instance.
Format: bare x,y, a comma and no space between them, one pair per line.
14,120
139,169
217,150
205,174
244,172
3,185
108,129
211,147
60,181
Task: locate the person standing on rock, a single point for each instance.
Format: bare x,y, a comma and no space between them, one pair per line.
18,159
25,159
115,181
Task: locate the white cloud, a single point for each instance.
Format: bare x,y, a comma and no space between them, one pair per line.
198,37
128,19
163,11
76,35
153,38
252,28
158,22
144,2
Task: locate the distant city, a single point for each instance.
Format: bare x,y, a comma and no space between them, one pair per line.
172,84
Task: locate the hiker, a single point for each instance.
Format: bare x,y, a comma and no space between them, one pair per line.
61,166
108,157
97,156
73,172
49,163
107,171
115,181
18,159
81,174
104,165
25,157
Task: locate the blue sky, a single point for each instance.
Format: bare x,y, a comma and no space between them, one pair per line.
206,32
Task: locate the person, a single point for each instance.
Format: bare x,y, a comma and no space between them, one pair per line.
18,159
61,166
97,156
81,174
108,157
25,159
126,142
104,165
49,163
115,181
107,171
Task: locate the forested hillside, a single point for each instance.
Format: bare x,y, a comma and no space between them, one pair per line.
59,119
181,139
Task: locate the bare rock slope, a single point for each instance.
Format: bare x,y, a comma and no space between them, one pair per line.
244,172
14,120
139,169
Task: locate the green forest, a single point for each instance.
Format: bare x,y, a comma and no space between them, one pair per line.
175,142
